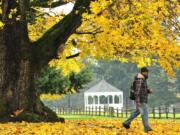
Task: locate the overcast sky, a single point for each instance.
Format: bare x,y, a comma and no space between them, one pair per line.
64,9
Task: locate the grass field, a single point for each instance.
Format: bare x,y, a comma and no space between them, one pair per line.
84,117
94,116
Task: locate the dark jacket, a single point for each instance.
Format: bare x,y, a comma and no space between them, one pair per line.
141,89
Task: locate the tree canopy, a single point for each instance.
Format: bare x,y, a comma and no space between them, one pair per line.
143,32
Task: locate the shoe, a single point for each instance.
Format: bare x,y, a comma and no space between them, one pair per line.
148,130
125,126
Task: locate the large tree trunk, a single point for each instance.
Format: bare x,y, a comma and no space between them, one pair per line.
17,70
20,60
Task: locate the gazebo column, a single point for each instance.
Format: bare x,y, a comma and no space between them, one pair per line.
120,99
108,100
98,100
86,101
92,99
93,103
113,97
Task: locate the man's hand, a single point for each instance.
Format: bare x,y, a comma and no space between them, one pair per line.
150,90
138,104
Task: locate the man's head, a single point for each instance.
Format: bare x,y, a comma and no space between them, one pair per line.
144,72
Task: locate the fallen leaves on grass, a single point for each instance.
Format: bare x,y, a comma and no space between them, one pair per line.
90,127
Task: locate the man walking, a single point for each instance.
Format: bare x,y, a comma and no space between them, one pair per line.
141,92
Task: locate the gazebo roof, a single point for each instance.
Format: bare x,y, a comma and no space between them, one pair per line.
103,86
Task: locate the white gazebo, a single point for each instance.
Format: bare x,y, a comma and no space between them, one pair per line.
103,95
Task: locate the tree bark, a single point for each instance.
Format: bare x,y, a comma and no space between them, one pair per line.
17,88
21,60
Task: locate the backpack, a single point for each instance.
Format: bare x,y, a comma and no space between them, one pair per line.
132,91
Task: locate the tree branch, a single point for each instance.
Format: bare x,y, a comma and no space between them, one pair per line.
46,47
73,56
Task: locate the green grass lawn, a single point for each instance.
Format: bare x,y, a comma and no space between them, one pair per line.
106,114
164,115
85,117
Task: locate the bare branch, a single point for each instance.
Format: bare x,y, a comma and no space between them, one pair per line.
73,56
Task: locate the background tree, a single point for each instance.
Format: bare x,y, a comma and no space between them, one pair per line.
52,81
78,80
165,91
121,75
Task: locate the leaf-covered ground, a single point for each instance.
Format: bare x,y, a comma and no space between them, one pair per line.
90,127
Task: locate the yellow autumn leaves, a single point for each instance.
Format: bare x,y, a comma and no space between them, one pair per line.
50,97
37,30
143,32
1,23
67,65
137,31
90,127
